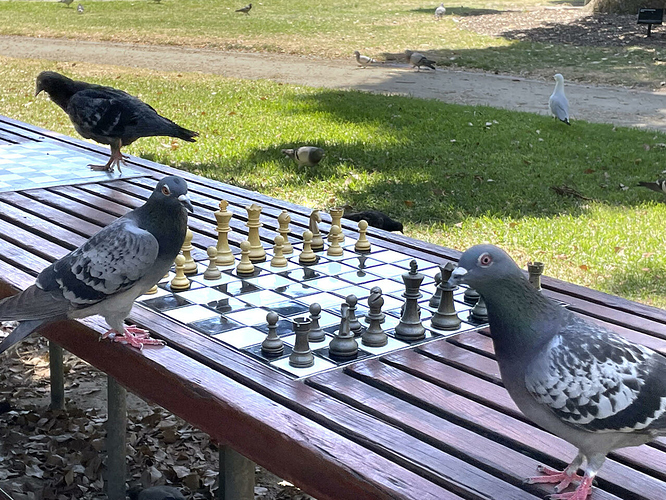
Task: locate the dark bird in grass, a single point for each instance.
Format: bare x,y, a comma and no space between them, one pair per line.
155,493
307,156
658,185
67,2
108,272
245,10
107,115
416,59
571,376
375,218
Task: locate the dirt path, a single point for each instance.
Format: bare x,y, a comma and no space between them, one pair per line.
593,103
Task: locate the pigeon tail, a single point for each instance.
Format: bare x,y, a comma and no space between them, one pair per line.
23,329
33,303
658,185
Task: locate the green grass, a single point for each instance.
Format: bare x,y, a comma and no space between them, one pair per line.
334,29
455,175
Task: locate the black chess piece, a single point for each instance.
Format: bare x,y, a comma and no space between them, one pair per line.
470,296
343,345
410,327
534,272
446,317
479,313
301,356
273,345
354,324
374,335
437,296
316,334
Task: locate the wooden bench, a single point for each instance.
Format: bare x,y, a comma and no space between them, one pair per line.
431,422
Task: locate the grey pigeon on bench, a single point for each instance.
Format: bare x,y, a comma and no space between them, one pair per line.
109,271
416,59
107,115
245,10
307,156
375,218
558,102
658,185
155,493
569,375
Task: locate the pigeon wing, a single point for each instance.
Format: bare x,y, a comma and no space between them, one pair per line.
559,106
599,382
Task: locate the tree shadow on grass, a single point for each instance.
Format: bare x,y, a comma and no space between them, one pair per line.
459,11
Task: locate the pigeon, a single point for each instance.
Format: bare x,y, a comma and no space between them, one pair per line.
245,10
416,59
307,156
155,493
440,11
107,115
109,271
363,60
67,2
558,103
572,377
658,185
377,219
79,9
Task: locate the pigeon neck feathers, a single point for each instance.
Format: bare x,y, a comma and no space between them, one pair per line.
166,219
60,88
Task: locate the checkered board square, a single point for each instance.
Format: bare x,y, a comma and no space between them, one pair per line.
232,310
44,164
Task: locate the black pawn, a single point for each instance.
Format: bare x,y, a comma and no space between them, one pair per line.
410,327
343,345
301,356
437,296
446,317
375,336
354,324
273,345
470,296
479,313
316,332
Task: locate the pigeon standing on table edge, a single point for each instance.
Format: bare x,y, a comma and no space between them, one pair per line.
109,271
572,377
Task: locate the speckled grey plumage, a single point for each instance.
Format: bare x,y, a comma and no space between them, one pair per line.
307,156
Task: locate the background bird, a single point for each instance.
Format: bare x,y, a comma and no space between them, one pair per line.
107,115
307,156
416,59
67,2
109,271
245,10
79,9
570,376
440,11
375,218
363,60
558,102
155,493
658,185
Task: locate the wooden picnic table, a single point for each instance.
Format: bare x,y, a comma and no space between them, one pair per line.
430,422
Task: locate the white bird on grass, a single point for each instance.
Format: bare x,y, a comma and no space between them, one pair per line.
440,11
558,103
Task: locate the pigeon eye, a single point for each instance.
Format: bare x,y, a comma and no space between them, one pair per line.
485,260
165,190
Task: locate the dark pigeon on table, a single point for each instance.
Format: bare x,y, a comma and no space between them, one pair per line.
658,185
570,376
305,156
109,271
107,115
155,493
375,218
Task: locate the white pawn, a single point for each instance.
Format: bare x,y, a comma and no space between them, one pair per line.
278,260
307,256
212,272
362,244
335,250
245,265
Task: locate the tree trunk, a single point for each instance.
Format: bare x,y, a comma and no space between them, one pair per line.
624,6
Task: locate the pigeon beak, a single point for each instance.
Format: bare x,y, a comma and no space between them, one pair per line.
458,275
38,90
185,201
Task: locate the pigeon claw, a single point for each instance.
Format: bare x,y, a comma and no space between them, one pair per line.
552,476
115,161
133,336
580,493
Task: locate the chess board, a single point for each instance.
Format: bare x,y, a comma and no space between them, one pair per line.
232,309
45,164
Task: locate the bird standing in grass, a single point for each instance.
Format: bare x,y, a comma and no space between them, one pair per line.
107,115
572,377
108,272
658,185
79,9
416,59
440,11
307,156
67,2
245,10
363,60
558,102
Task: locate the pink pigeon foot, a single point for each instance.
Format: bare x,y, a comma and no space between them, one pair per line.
580,493
552,476
116,159
134,336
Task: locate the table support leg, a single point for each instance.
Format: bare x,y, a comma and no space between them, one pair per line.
57,376
116,428
236,476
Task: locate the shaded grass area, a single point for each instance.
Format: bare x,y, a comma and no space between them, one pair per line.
341,26
455,175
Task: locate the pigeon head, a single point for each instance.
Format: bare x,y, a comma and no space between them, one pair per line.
485,268
559,78
393,225
172,190
59,88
